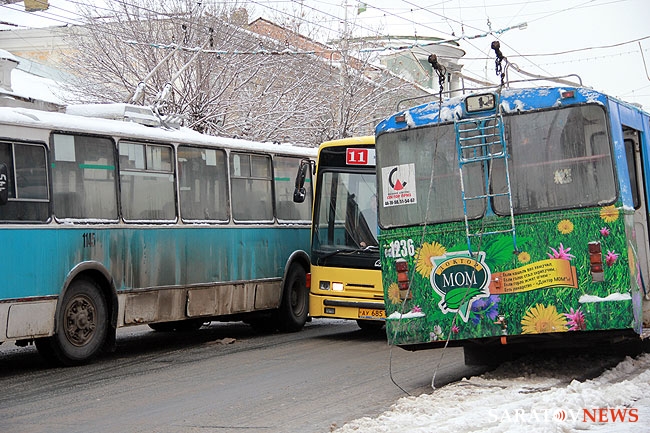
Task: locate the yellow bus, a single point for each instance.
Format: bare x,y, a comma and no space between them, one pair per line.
345,267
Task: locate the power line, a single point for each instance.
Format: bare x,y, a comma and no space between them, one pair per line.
590,48
63,19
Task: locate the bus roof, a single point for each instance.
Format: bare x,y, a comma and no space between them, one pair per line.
365,139
93,125
509,101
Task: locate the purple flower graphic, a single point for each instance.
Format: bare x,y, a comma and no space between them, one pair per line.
611,258
560,253
604,231
575,320
488,307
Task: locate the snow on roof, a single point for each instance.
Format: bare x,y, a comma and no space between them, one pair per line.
27,85
6,55
82,124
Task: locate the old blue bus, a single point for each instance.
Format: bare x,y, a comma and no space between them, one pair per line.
107,223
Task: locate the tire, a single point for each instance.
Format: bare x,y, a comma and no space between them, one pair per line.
81,326
294,308
370,325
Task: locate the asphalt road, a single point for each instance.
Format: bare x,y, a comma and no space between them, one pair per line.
222,378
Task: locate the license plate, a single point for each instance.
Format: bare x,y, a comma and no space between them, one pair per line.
368,313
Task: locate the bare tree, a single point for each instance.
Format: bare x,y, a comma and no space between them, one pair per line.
224,78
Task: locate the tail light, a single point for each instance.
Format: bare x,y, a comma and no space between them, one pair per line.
402,268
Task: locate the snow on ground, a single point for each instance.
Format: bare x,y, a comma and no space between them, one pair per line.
533,396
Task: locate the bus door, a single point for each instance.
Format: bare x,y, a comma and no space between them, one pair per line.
633,151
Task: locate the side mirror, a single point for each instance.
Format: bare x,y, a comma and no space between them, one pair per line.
4,184
299,192
299,195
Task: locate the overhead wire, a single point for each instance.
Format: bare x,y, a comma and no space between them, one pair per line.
58,18
405,16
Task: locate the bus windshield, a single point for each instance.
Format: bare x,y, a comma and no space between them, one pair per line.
559,159
346,212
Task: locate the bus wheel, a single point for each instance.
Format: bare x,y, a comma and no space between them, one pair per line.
82,326
293,311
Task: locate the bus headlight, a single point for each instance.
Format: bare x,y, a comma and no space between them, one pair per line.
324,285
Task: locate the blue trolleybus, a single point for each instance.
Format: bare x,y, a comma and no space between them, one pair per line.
515,215
108,223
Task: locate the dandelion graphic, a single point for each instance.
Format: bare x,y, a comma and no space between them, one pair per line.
423,262
523,257
560,253
609,214
540,319
576,320
393,294
565,227
611,258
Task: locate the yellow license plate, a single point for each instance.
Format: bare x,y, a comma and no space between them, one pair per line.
368,313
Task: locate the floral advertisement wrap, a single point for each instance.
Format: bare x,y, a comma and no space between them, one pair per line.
572,271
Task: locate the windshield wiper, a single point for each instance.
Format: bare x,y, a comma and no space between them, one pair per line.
335,252
372,248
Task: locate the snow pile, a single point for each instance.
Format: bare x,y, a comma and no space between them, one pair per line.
534,396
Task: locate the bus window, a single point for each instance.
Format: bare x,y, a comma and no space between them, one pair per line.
432,154
83,176
27,191
203,184
251,187
147,182
632,170
286,210
344,218
4,184
574,169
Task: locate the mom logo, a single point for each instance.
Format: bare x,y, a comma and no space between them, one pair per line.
460,280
